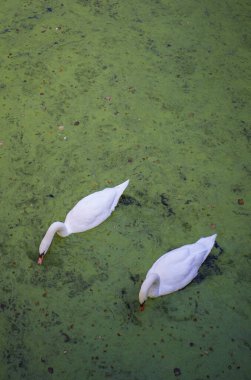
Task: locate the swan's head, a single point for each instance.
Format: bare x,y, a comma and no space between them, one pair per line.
43,248
149,288
47,239
142,297
40,259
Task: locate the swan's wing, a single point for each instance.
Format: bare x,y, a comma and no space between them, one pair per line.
176,269
179,267
90,211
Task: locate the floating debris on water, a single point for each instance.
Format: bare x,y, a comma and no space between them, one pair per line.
177,371
108,98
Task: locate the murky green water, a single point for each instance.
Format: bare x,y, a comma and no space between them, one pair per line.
93,93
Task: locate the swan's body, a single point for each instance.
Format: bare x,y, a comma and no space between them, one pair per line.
88,213
175,269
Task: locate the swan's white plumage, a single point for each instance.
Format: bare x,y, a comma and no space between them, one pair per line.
88,213
92,210
175,269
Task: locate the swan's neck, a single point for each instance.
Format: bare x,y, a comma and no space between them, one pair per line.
58,227
149,288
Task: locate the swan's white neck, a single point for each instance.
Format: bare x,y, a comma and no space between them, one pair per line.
148,288
58,227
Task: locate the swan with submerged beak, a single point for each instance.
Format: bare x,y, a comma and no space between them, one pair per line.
175,269
88,213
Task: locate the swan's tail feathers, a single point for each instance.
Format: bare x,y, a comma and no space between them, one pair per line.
207,244
119,191
122,186
211,241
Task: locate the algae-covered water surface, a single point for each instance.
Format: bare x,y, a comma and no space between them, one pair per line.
94,93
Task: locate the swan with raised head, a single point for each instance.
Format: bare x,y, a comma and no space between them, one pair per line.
175,269
88,213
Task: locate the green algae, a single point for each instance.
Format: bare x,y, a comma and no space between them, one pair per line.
157,92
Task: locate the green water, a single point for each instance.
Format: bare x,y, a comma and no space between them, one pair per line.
93,93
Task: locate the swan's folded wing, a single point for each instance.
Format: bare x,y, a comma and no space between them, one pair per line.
176,269
90,211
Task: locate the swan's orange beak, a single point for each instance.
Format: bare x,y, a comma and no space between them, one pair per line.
40,259
142,306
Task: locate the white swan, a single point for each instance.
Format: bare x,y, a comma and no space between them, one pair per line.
88,213
175,269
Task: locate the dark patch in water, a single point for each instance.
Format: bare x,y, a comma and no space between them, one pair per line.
165,201
135,278
177,371
127,200
246,132
6,30
217,246
50,370
208,268
65,336
131,308
2,306
76,283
